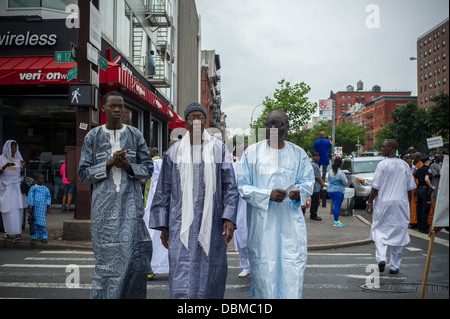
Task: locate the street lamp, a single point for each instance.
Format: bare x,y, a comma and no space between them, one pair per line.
434,69
251,120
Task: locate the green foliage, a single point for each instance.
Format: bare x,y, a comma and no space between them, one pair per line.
293,100
438,116
346,136
380,136
410,127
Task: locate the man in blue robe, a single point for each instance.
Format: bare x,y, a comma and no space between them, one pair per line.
195,206
114,159
275,177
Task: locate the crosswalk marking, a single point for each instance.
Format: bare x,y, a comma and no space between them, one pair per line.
74,252
42,266
59,259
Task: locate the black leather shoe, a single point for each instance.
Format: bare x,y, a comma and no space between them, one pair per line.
391,271
381,266
315,218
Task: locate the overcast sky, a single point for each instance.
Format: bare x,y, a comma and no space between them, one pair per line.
325,43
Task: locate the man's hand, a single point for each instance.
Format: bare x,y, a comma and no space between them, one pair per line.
294,195
228,229
119,160
369,209
277,195
165,237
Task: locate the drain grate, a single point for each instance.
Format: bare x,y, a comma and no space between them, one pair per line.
405,287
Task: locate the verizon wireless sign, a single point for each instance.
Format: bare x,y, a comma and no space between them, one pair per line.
27,39
21,37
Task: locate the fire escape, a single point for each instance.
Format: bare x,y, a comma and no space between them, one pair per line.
158,14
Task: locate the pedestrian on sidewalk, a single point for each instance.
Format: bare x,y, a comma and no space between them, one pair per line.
39,202
318,186
389,203
195,208
114,158
425,189
275,177
336,188
322,146
68,190
12,201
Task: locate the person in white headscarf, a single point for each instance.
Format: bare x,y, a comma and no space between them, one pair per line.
12,201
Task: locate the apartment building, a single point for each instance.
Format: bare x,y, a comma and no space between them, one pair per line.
150,47
432,63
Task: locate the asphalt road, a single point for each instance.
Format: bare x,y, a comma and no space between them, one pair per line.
330,274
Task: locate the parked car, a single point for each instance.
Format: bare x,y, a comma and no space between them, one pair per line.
359,172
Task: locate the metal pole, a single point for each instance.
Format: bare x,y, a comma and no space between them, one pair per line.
84,114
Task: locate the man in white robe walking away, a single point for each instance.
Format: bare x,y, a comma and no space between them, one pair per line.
389,202
275,178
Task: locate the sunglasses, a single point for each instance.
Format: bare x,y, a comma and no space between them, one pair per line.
276,124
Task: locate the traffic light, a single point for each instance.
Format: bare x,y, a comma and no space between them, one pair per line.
358,139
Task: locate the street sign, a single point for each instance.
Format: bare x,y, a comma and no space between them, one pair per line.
102,63
92,54
72,74
63,57
95,27
325,105
80,95
435,142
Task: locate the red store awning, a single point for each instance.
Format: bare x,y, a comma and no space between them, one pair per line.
119,77
32,70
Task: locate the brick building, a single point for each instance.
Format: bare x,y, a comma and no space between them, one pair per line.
376,114
210,88
350,101
432,63
370,109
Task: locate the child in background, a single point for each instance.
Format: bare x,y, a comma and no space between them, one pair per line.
39,201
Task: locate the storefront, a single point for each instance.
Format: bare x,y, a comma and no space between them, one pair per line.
34,90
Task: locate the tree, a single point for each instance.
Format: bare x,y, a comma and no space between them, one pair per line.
380,136
293,100
438,116
347,135
410,127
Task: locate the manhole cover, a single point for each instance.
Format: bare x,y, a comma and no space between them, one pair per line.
405,287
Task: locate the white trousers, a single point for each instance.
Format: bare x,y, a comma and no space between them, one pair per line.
12,221
243,259
395,255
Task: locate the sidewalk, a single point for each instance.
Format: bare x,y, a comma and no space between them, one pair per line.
321,234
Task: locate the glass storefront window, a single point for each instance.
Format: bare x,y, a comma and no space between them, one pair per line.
43,127
107,12
24,3
51,4
123,26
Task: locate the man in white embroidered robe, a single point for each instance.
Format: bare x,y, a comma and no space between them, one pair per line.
195,207
277,248
114,159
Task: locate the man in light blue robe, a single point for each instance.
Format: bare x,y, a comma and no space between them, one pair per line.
275,178
195,206
114,159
